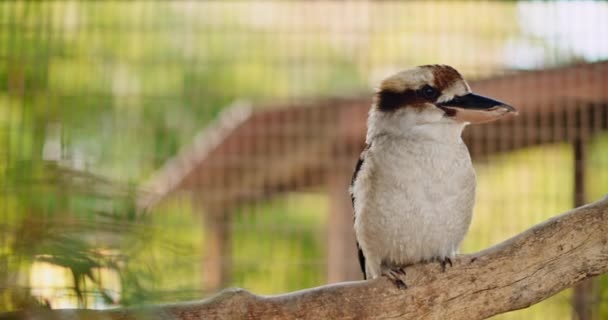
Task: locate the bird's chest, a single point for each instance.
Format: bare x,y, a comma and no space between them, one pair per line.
423,176
417,200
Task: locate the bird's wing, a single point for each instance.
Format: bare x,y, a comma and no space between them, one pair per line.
352,197
352,181
361,261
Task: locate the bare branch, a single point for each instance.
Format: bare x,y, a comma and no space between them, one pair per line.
515,274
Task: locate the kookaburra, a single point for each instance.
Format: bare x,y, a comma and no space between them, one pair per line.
413,188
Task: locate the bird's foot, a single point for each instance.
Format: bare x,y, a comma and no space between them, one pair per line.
395,275
444,262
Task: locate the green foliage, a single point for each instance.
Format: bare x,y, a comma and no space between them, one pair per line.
118,88
279,245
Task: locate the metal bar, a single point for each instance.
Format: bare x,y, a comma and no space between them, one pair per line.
585,293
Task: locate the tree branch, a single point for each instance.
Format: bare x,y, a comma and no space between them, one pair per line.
514,274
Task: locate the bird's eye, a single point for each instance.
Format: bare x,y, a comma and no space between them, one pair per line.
429,92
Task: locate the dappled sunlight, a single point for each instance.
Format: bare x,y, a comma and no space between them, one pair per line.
54,287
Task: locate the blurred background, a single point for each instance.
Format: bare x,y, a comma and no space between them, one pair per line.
158,151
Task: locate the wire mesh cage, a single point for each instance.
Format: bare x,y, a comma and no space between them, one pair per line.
157,151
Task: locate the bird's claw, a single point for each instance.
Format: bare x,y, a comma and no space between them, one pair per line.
445,261
395,275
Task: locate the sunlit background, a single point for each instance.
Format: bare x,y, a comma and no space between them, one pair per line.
112,114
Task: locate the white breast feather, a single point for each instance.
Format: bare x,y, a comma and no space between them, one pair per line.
413,200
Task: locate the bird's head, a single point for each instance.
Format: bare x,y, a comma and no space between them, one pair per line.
432,99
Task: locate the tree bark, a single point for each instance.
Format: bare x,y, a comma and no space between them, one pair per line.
514,274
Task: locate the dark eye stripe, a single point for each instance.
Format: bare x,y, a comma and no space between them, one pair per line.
391,100
388,100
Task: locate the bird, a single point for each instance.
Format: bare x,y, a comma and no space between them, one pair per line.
413,188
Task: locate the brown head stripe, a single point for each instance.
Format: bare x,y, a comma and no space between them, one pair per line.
444,75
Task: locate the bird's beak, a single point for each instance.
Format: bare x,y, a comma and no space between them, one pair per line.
474,108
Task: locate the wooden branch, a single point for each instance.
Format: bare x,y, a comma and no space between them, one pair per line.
515,274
